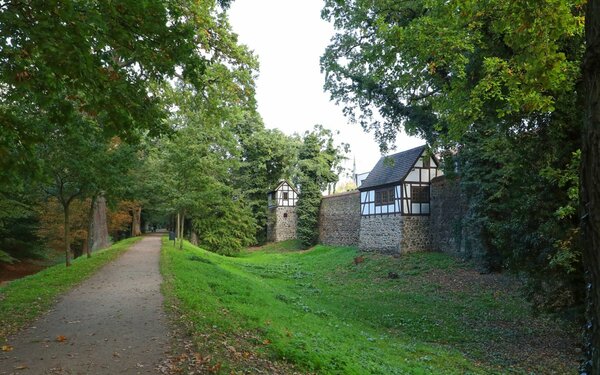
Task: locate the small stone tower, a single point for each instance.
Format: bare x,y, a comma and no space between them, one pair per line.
281,215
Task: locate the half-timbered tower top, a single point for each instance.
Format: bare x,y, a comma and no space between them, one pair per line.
284,195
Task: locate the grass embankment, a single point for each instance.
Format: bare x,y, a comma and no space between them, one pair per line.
321,312
24,299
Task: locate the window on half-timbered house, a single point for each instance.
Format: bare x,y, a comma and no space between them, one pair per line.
420,194
384,197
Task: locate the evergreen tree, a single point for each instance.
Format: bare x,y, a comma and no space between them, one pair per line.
318,159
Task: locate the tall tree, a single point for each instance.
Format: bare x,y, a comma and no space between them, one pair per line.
267,156
68,165
590,180
318,159
80,164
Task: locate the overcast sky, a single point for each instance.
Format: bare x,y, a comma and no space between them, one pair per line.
289,37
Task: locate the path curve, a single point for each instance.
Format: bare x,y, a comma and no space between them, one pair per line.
113,323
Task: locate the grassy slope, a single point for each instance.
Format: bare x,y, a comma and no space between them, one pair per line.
324,313
23,300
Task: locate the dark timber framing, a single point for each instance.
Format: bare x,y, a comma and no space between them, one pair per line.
417,174
284,195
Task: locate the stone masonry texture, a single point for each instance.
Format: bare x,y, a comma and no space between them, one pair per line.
416,234
381,234
339,219
281,223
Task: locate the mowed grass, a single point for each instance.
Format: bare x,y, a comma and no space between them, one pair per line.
25,299
322,313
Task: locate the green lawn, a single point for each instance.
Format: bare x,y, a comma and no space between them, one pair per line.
318,311
23,300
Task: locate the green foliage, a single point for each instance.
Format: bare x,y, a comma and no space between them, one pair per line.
18,219
191,171
308,213
267,156
438,67
318,159
226,226
6,258
495,82
196,165
514,198
27,298
110,56
325,314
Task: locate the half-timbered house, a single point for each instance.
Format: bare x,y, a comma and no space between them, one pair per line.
281,216
395,202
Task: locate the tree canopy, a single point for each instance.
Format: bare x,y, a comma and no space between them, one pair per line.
436,68
61,60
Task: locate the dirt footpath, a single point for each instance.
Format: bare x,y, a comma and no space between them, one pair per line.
113,323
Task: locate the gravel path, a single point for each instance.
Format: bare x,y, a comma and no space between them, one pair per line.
112,323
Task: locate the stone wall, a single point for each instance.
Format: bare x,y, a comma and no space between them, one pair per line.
381,233
416,234
446,215
339,219
281,224
447,229
451,230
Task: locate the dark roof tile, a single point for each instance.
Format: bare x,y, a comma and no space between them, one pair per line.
393,171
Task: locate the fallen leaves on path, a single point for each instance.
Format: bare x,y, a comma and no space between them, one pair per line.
7,348
61,338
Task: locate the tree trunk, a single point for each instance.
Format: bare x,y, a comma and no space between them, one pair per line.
98,226
181,228
177,225
90,233
590,183
136,221
194,238
67,235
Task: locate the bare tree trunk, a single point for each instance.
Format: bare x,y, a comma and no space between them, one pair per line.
590,184
194,238
67,235
181,228
98,226
136,221
177,226
101,218
90,234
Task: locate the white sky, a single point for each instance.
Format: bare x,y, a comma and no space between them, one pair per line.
289,38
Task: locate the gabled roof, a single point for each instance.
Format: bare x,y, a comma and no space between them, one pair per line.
393,171
281,183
